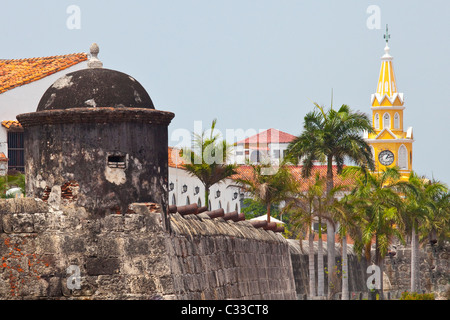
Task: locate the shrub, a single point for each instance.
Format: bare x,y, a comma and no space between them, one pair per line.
416,296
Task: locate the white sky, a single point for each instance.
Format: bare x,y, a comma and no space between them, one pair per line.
257,63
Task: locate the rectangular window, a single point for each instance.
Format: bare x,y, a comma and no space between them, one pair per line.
117,162
16,151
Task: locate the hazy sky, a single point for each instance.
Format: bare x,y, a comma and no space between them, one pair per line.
257,64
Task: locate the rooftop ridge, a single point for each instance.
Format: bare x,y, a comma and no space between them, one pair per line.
48,57
18,72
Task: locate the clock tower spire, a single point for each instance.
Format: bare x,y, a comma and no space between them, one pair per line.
391,144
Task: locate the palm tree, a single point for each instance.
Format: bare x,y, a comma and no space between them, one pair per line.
208,159
307,207
380,205
267,189
332,137
438,227
419,213
302,218
348,219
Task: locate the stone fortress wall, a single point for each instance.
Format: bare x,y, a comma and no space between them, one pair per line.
131,256
202,256
434,270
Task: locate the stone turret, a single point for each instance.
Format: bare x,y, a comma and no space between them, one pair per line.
97,140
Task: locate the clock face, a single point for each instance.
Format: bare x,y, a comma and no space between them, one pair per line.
386,157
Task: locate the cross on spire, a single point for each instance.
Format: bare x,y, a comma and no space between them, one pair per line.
387,36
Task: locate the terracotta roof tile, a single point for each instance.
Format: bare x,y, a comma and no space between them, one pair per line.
173,159
17,72
10,124
246,172
269,136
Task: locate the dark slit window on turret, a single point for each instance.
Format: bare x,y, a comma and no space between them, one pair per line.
117,162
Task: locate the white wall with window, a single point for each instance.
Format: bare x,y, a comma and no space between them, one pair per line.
186,189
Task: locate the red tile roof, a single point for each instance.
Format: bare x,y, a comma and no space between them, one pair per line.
173,159
246,172
17,72
10,124
269,136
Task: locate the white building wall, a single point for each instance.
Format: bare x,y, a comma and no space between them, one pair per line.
3,140
26,98
180,177
240,157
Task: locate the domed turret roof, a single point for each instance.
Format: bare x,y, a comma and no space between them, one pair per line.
95,87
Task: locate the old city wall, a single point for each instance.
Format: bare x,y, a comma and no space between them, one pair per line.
434,270
300,261
218,259
434,264
131,256
117,257
44,248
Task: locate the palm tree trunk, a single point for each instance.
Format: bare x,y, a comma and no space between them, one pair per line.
379,263
312,272
367,251
207,197
320,268
268,212
331,252
331,258
345,295
415,280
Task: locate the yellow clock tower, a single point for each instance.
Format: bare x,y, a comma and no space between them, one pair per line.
391,145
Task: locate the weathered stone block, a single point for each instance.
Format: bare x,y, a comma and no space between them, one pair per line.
102,266
22,205
113,222
166,283
54,288
88,287
18,223
109,246
134,222
72,244
136,246
141,284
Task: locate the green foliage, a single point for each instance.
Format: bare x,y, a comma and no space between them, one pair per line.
268,187
378,205
253,208
416,296
315,203
332,135
11,181
426,207
207,160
